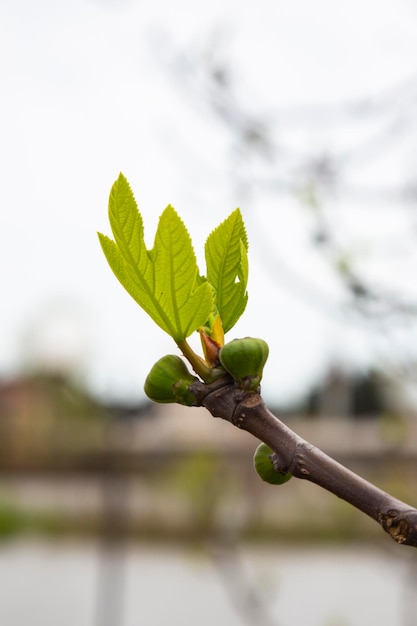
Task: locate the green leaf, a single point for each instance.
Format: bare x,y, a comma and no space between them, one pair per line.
226,252
164,281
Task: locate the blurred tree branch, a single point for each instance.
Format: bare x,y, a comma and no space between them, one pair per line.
266,160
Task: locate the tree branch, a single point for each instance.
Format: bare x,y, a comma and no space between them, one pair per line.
303,460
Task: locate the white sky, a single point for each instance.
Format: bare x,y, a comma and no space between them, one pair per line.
83,96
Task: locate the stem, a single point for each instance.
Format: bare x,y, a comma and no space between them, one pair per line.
305,461
206,373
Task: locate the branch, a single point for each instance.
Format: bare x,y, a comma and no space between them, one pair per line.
303,460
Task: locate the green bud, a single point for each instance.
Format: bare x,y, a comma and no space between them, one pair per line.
169,381
244,359
264,467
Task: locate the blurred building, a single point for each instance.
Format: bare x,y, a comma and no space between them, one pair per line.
44,415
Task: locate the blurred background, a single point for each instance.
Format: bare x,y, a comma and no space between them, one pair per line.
114,511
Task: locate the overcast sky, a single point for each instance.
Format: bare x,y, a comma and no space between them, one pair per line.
86,93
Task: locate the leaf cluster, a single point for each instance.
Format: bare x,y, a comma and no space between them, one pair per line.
165,281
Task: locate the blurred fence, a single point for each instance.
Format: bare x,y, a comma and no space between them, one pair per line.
70,465
185,494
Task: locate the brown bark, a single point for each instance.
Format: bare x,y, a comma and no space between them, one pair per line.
305,461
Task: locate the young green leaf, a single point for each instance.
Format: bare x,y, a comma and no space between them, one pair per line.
227,268
164,281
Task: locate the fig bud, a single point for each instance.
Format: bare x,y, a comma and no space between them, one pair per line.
264,466
169,381
244,359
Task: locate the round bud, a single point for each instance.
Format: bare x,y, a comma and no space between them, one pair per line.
169,381
262,461
244,359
